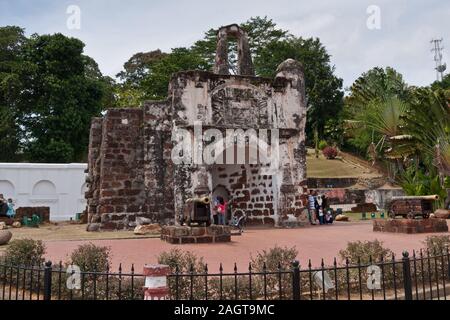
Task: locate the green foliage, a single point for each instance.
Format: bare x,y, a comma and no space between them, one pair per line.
63,95
334,131
90,257
444,84
12,40
416,183
323,88
261,32
378,95
428,121
322,144
49,91
184,262
359,251
156,83
274,258
25,252
147,75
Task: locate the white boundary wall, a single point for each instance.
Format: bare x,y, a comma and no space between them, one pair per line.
58,186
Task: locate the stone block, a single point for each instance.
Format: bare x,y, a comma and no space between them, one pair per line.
205,239
411,226
148,229
5,237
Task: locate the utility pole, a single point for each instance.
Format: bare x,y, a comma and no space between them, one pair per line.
440,67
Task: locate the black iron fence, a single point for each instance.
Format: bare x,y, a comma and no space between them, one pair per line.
422,276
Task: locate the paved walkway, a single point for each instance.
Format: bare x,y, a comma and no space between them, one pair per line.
312,243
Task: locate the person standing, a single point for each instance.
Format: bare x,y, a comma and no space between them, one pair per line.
321,216
11,212
221,211
312,207
215,212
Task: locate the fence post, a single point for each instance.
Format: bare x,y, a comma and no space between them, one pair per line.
156,286
407,276
296,280
48,281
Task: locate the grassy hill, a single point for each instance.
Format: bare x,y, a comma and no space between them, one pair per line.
344,166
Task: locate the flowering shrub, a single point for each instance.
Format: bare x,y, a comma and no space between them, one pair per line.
330,153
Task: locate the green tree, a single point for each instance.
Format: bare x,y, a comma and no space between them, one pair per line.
367,99
12,40
146,76
156,83
444,84
61,91
261,32
323,88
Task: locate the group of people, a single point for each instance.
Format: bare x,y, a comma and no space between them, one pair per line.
6,207
219,211
319,213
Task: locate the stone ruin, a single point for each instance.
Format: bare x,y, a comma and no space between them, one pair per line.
132,174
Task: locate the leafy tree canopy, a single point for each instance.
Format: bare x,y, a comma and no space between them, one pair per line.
49,93
147,75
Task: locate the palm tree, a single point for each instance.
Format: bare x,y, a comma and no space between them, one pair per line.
428,121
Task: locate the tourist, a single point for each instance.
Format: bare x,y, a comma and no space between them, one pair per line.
311,207
329,217
214,211
321,216
316,206
324,202
3,206
11,212
221,211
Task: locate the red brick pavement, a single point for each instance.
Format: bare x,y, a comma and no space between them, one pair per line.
312,243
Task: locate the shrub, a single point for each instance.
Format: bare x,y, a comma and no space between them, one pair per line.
91,258
25,252
184,262
436,245
330,153
322,145
363,251
274,259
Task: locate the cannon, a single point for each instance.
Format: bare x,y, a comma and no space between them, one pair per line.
412,207
197,211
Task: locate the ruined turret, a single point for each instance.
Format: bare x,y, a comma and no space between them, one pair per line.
133,173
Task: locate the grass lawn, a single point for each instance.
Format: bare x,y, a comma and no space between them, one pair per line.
69,232
358,216
338,168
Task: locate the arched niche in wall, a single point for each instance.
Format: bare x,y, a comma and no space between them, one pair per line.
44,188
44,194
7,189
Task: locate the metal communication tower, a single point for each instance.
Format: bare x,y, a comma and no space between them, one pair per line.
440,67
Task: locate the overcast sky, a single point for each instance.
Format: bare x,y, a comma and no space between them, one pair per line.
114,30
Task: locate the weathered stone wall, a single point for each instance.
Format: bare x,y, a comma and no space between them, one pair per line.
132,173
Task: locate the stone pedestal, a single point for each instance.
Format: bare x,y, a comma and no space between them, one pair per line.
189,235
410,226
